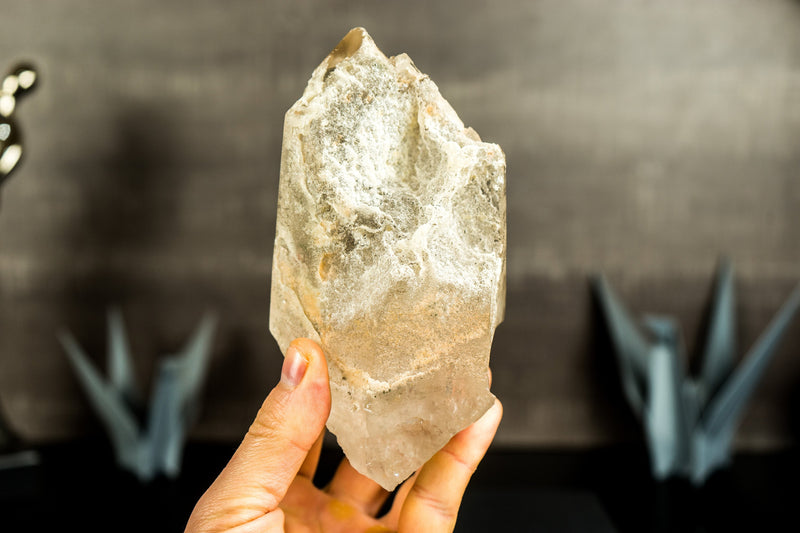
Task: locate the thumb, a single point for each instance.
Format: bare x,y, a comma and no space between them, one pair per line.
287,425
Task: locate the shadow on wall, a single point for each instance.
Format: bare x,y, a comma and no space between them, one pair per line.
124,204
619,417
125,207
126,218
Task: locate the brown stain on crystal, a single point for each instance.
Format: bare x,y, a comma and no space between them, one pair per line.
348,46
308,296
325,266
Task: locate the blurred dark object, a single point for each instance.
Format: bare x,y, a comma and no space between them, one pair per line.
8,439
17,83
690,422
20,80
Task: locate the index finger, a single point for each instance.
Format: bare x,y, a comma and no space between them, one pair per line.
292,417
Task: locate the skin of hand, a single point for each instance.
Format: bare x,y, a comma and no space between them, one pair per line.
267,485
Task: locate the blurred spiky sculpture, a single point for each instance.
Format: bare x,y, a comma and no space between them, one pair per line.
689,422
156,445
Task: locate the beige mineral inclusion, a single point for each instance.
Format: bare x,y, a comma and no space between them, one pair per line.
390,252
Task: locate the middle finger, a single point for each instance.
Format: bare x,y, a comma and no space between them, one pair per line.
349,486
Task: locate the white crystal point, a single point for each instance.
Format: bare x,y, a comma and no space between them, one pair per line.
390,252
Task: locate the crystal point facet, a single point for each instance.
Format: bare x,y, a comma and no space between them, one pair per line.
390,252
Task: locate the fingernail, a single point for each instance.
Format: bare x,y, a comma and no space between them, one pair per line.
294,367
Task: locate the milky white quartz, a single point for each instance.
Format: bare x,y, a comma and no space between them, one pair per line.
390,252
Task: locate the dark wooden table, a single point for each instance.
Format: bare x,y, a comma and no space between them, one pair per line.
601,490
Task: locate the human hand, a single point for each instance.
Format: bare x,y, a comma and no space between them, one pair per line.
267,485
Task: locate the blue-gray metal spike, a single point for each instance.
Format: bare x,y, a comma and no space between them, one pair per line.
109,405
176,397
711,451
166,427
193,365
631,348
726,406
666,331
719,356
666,427
120,366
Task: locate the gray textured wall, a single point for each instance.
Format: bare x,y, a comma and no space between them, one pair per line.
643,138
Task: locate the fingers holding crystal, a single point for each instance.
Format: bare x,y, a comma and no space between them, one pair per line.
393,516
432,502
356,489
309,466
276,446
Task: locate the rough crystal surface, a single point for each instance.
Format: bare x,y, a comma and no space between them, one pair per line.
390,252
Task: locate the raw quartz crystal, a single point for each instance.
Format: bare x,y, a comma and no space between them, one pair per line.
390,252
